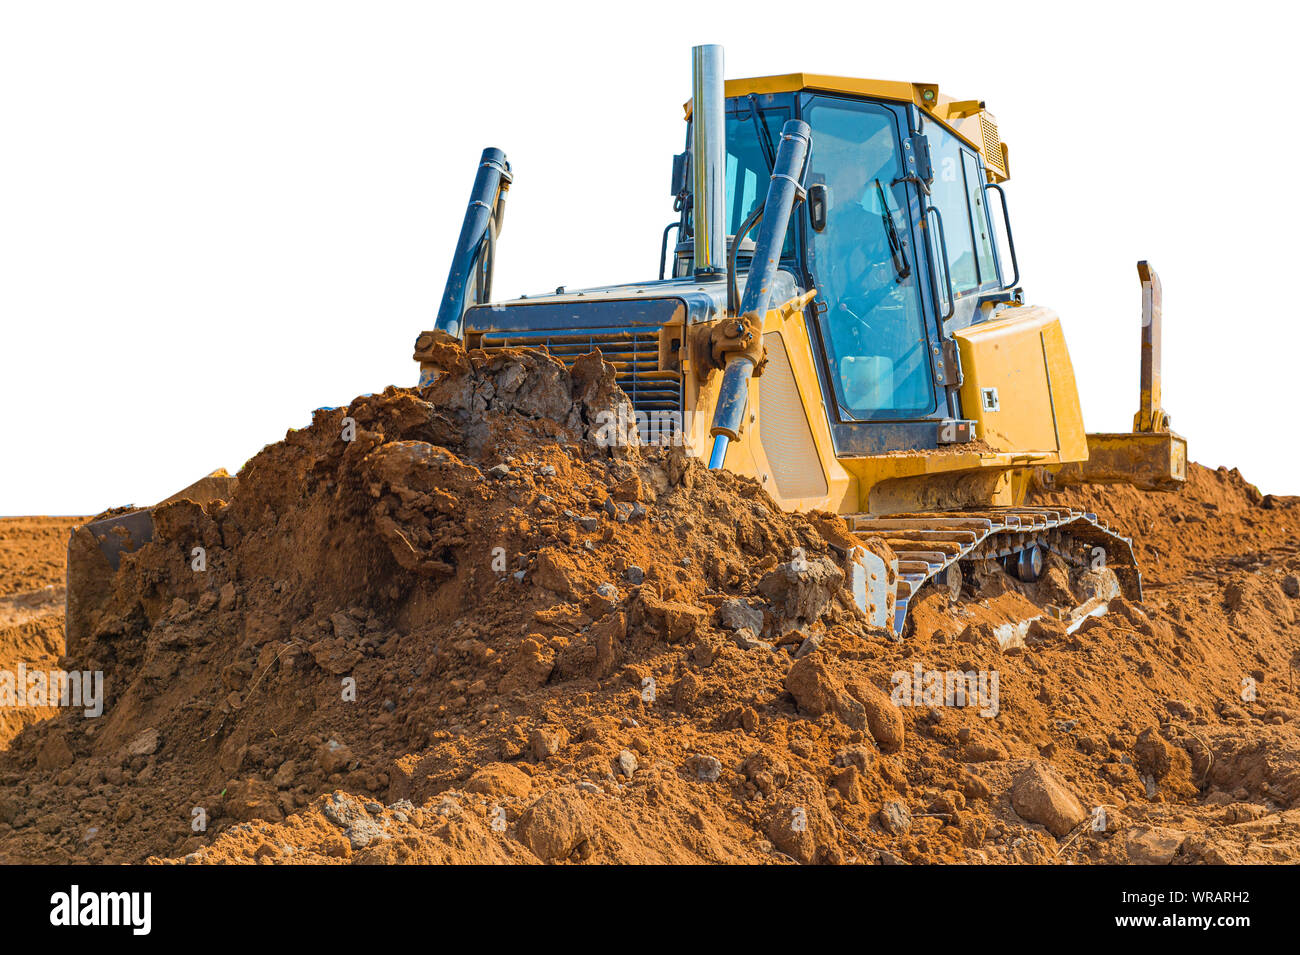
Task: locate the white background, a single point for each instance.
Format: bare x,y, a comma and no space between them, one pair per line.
217,217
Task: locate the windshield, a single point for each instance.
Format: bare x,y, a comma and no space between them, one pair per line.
748,171
873,325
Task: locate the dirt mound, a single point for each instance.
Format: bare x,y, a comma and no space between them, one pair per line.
461,626
32,551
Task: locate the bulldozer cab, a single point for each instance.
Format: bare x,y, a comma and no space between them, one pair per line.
894,234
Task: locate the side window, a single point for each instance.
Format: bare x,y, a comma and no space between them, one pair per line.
748,174
984,258
949,195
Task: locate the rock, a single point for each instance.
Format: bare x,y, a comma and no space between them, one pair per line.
335,656
333,757
363,832
984,749
1155,845
1039,795
863,757
707,769
668,620
500,780
345,628
801,590
799,822
556,571
1291,586
627,764
767,773
818,692
739,615
144,743
974,787
555,825
808,646
747,640
55,753
253,799
544,742
846,782
226,599
498,471
635,575
284,776
895,818
884,719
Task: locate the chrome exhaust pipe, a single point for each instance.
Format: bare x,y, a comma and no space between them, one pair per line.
709,161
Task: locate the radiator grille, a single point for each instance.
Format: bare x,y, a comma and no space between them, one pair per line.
634,353
992,145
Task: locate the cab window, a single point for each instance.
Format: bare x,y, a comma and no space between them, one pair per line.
949,194
984,257
873,324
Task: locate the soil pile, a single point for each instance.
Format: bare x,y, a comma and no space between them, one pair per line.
32,552
459,625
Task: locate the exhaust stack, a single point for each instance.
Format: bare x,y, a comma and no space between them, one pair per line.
708,161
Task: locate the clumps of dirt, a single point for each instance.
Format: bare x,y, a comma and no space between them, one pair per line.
32,552
31,608
457,626
414,588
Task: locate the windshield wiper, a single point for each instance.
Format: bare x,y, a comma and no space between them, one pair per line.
891,232
762,133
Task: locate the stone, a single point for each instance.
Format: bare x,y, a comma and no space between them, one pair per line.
544,742
500,780
145,743
817,692
895,818
739,615
55,753
801,590
863,757
1039,795
808,645
799,822
345,628
635,575
333,757
747,640
555,825
627,763
497,472
1291,586
884,719
1155,845
707,769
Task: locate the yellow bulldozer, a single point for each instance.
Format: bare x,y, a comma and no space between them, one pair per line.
837,317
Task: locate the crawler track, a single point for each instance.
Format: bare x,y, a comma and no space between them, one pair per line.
928,544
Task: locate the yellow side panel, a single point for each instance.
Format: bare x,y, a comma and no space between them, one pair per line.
783,428
1019,384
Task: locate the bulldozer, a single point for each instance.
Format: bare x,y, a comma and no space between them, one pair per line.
837,317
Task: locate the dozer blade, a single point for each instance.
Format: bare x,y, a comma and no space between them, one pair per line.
1151,457
96,549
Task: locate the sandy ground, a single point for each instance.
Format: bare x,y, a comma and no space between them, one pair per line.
398,654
